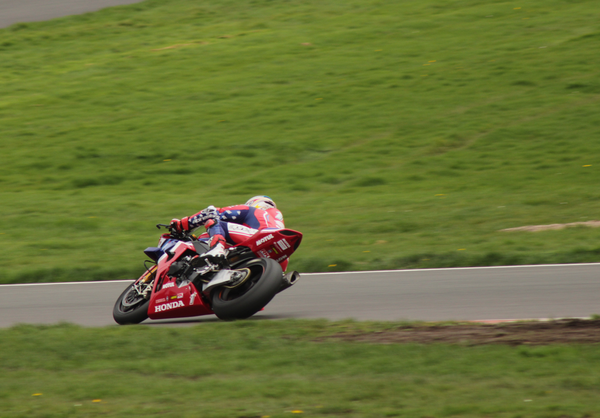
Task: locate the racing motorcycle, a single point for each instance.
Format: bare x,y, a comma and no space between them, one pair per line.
178,282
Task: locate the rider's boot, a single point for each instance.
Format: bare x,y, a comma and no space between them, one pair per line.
217,250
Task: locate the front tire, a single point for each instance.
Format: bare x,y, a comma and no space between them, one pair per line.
130,307
264,281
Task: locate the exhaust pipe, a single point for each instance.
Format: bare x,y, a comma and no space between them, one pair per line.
289,279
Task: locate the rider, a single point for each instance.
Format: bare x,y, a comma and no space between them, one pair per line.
233,224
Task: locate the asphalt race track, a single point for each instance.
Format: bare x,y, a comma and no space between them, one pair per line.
485,293
16,11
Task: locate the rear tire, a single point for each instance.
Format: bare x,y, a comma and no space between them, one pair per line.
258,289
130,308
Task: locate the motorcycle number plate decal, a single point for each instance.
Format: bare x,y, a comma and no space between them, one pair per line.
283,244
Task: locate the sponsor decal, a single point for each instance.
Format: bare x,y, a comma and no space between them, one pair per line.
177,296
283,244
280,259
161,300
166,286
241,228
263,254
193,297
265,239
168,306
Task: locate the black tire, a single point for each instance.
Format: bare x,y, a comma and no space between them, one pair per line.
133,311
250,297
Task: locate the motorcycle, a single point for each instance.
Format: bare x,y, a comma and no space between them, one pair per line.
178,282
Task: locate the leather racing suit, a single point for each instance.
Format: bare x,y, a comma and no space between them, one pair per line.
236,224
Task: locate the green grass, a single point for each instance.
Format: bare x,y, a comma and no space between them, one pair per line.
392,134
271,368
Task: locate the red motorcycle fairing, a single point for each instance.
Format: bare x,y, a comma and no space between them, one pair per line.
275,243
279,246
170,301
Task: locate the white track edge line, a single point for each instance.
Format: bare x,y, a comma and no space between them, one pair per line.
451,269
64,283
333,273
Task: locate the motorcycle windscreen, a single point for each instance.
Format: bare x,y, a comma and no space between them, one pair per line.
278,244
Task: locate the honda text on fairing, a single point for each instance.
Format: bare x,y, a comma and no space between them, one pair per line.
178,282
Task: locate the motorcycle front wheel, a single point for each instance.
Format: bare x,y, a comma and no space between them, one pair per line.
263,281
131,307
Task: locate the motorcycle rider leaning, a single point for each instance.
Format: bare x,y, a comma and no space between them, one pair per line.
233,224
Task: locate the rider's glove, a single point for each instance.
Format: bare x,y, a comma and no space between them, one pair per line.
204,215
180,225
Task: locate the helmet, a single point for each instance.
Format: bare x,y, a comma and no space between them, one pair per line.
261,202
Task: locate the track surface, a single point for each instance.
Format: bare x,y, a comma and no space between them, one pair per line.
432,295
15,11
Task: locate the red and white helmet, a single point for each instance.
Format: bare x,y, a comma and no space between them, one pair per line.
261,202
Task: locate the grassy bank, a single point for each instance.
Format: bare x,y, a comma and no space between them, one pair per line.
276,369
393,134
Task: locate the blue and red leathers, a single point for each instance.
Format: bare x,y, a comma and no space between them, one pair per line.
235,224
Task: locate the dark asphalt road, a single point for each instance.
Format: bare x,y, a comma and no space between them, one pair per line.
15,11
440,294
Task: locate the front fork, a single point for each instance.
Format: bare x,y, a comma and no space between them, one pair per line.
145,283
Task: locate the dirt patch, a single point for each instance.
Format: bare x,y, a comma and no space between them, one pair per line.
564,331
535,228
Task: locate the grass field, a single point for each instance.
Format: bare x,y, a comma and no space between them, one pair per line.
392,134
277,369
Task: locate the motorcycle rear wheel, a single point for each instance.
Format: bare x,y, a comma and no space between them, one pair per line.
130,308
250,297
